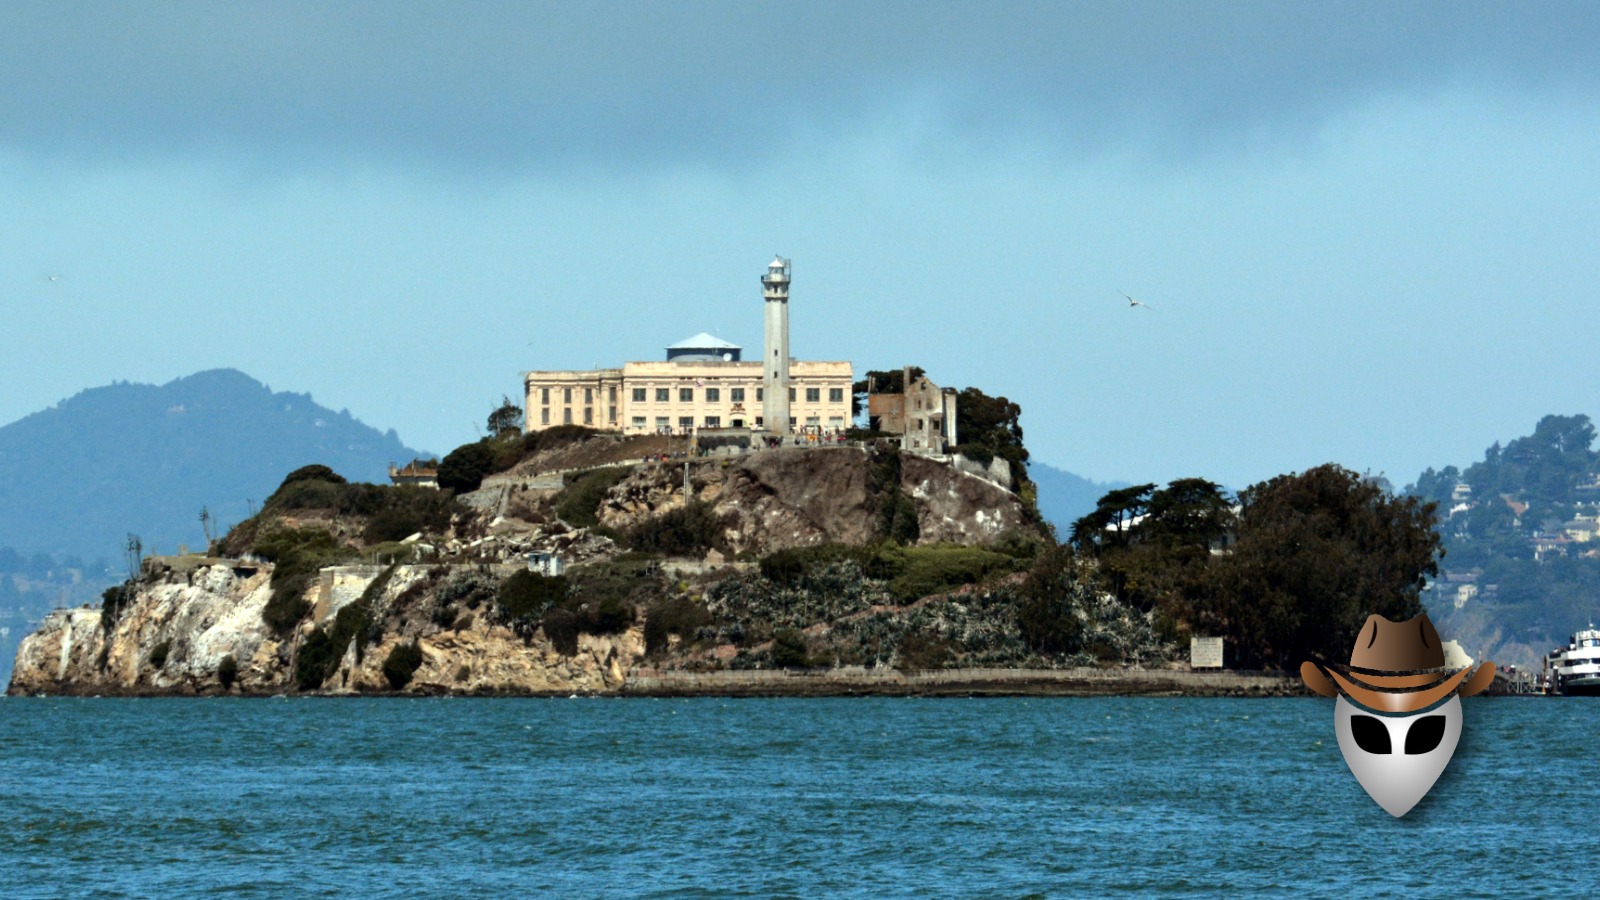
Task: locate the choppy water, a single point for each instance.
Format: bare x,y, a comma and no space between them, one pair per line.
771,798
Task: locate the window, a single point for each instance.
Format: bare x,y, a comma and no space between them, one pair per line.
836,421
544,416
611,394
685,395
736,395
566,395
544,396
663,424
791,395
588,415
813,395
588,395
758,421
638,395
813,422
662,395
713,395
638,421
835,395
686,422
760,394
713,421
566,416
611,414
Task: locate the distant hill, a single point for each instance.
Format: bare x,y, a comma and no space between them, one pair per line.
77,478
1521,566
1064,497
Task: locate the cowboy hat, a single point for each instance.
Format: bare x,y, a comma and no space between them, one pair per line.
1396,667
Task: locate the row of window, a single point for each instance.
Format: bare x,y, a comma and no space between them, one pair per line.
686,395
685,423
588,395
588,415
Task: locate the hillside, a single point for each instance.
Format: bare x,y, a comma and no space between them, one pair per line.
77,478
1521,567
853,556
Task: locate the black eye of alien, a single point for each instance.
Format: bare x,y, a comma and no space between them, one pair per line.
1370,734
1425,734
1422,736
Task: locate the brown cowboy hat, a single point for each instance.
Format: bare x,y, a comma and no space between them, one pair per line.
1396,667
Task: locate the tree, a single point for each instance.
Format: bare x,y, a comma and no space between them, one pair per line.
1315,554
994,424
506,418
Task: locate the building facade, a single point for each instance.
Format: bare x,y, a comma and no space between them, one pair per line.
703,384
924,415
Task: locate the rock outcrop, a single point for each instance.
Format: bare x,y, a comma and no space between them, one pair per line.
181,621
778,499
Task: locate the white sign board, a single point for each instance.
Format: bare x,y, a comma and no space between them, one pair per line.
1205,652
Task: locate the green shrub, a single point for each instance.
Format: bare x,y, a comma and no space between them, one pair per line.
312,472
561,629
158,654
1049,602
319,656
522,600
402,664
555,436
463,469
789,649
942,567
686,531
679,616
297,555
579,503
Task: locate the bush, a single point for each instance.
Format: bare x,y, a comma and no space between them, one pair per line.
319,656
789,649
686,531
296,555
312,473
227,671
402,663
561,629
555,436
463,469
942,567
523,599
679,616
1050,599
579,503
923,650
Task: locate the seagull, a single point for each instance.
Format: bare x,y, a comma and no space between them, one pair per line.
1132,302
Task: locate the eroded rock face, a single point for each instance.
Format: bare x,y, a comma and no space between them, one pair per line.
210,612
793,498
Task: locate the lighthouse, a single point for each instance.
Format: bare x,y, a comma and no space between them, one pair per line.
775,354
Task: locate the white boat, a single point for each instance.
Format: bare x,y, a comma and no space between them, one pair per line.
1575,670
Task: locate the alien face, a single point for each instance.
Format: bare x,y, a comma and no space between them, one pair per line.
1397,758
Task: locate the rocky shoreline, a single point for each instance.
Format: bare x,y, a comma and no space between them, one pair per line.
856,682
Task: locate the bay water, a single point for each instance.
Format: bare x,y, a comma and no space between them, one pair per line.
711,797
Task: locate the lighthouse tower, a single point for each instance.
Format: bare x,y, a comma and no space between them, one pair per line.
775,354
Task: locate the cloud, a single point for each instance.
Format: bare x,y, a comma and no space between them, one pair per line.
524,86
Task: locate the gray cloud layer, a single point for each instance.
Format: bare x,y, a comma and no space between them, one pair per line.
521,85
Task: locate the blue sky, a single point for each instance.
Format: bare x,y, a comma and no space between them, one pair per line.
1365,229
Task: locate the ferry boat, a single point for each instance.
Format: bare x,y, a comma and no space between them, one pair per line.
1575,671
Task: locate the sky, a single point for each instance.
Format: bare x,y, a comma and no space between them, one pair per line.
1365,232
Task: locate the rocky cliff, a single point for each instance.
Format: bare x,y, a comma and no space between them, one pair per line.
182,621
284,609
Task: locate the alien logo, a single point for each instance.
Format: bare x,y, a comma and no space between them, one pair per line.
1397,708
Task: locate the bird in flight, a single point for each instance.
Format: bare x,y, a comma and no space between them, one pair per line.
1132,302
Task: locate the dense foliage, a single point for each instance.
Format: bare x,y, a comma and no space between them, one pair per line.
1292,574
